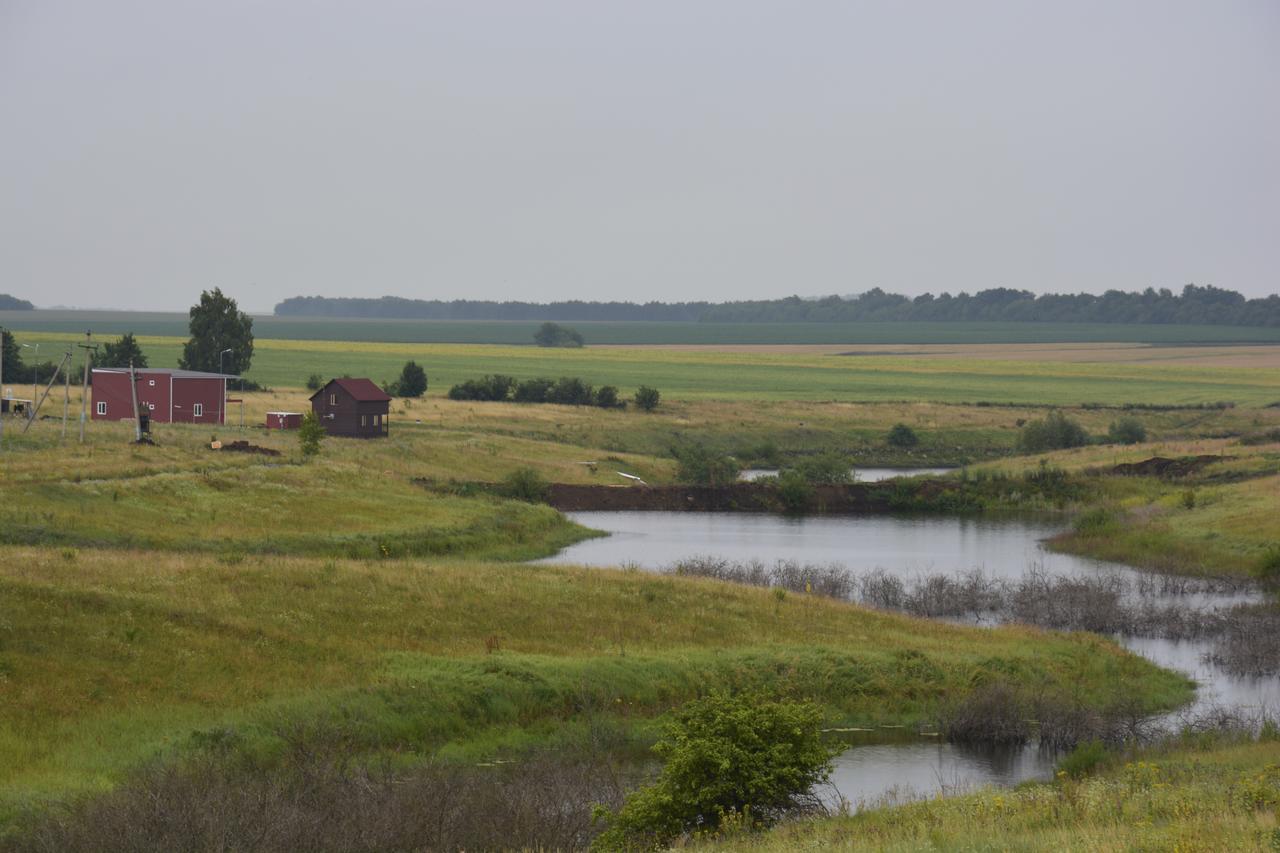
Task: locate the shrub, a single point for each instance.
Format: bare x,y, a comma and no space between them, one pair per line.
524,484
1084,759
794,491
310,434
571,391
555,335
700,466
315,382
902,435
727,759
607,397
412,381
495,388
1054,432
647,398
825,468
1126,431
533,391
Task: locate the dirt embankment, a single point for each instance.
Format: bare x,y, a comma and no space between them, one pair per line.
1162,466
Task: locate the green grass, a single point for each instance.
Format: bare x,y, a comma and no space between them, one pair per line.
754,375
108,657
1207,797
116,323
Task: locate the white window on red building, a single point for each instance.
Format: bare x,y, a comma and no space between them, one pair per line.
102,408
197,410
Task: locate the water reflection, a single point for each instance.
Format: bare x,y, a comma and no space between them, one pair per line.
860,475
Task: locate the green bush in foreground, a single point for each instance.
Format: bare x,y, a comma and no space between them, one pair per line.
702,467
525,484
310,434
727,759
647,398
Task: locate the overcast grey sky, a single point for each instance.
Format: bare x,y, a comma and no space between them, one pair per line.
701,149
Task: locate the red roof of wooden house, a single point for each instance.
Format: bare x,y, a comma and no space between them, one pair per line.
363,390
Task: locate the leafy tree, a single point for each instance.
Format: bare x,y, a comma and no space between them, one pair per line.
607,397
310,434
122,353
412,381
1054,432
218,325
14,371
901,435
749,758
533,391
555,335
1126,431
700,466
315,382
571,391
647,398
13,303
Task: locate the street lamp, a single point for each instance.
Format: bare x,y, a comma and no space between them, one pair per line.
220,355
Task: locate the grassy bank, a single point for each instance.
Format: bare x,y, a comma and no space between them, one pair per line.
112,656
1210,797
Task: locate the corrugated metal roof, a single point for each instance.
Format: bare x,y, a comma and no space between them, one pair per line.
363,390
175,372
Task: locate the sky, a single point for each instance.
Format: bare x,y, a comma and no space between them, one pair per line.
594,149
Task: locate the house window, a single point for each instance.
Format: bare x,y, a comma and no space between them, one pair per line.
333,399
377,420
364,420
102,408
197,410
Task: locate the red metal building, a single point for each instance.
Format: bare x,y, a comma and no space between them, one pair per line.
167,395
284,420
354,407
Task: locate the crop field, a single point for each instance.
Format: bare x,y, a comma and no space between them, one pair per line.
165,324
754,375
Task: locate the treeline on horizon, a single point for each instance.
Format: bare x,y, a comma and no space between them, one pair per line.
1195,304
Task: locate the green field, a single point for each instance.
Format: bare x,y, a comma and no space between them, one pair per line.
521,333
751,375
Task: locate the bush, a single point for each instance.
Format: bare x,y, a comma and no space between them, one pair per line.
533,391
825,468
647,398
794,491
1084,759
315,382
727,759
700,466
412,381
525,484
571,391
555,335
1055,432
607,398
1126,431
902,435
495,388
310,434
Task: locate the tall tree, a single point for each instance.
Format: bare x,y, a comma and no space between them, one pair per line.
122,353
218,325
13,369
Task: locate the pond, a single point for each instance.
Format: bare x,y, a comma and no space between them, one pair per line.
910,547
860,475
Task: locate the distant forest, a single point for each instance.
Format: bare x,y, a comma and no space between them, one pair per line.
13,303
1206,305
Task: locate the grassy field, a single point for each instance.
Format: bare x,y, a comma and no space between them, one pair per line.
753,375
116,323
108,657
1205,797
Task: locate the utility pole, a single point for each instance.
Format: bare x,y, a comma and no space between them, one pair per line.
137,419
88,348
1,383
66,395
35,405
